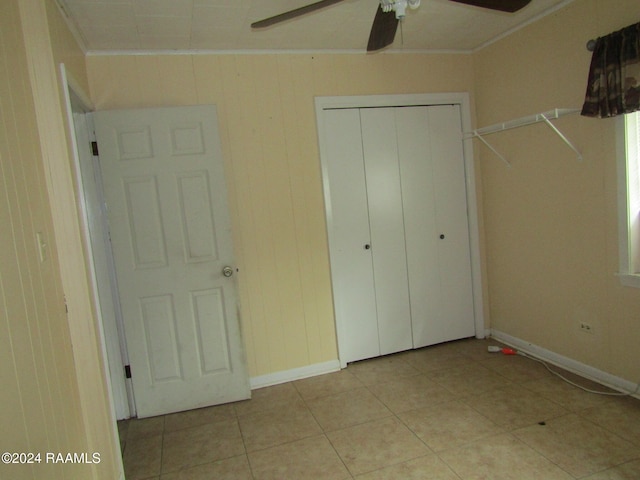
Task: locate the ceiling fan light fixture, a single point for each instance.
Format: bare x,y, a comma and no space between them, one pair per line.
398,6
387,5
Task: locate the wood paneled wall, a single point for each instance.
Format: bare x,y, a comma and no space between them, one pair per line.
267,123
41,395
39,398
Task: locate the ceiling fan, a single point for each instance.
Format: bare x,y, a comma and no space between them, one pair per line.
388,14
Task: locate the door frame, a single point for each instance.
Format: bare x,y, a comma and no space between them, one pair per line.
78,104
74,98
407,100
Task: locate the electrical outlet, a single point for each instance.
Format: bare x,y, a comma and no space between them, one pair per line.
585,327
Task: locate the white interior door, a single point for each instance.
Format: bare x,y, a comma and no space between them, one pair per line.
170,231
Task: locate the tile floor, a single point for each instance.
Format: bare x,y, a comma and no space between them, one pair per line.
448,412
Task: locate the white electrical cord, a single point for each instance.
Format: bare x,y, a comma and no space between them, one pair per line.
559,375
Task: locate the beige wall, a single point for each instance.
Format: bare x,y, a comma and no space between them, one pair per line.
268,130
43,399
65,48
550,221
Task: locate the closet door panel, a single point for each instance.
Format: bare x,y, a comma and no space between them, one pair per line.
449,303
348,221
452,218
422,236
386,224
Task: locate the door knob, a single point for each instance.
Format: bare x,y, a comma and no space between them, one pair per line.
442,236
227,271
367,246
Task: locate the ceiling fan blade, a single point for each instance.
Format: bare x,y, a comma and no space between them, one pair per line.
501,5
267,22
383,30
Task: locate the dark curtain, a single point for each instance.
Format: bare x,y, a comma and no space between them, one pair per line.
614,76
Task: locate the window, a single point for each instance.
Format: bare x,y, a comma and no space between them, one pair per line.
629,199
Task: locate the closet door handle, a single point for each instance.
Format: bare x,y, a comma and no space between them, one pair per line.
367,246
442,236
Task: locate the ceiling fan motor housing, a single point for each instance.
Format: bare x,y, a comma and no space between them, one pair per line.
385,24
398,6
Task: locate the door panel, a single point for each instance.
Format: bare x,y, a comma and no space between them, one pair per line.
171,237
348,217
211,330
198,229
435,210
145,222
158,322
419,198
457,316
384,198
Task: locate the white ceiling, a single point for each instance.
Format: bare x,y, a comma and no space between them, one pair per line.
221,25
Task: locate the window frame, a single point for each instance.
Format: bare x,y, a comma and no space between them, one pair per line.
628,143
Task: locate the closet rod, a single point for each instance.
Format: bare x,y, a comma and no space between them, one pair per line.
545,117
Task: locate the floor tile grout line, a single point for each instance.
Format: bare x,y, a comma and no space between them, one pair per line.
244,444
545,456
162,452
395,415
609,429
448,466
325,432
308,409
339,456
592,423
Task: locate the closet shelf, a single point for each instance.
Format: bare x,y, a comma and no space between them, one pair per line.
545,117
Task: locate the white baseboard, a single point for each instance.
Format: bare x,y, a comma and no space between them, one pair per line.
567,363
294,374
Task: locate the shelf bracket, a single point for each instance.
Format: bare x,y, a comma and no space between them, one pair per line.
490,147
562,136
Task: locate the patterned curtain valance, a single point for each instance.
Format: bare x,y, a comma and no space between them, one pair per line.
613,87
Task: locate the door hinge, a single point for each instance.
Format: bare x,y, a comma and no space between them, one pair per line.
94,148
127,371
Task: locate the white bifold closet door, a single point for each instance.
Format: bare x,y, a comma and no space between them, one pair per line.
398,228
436,223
